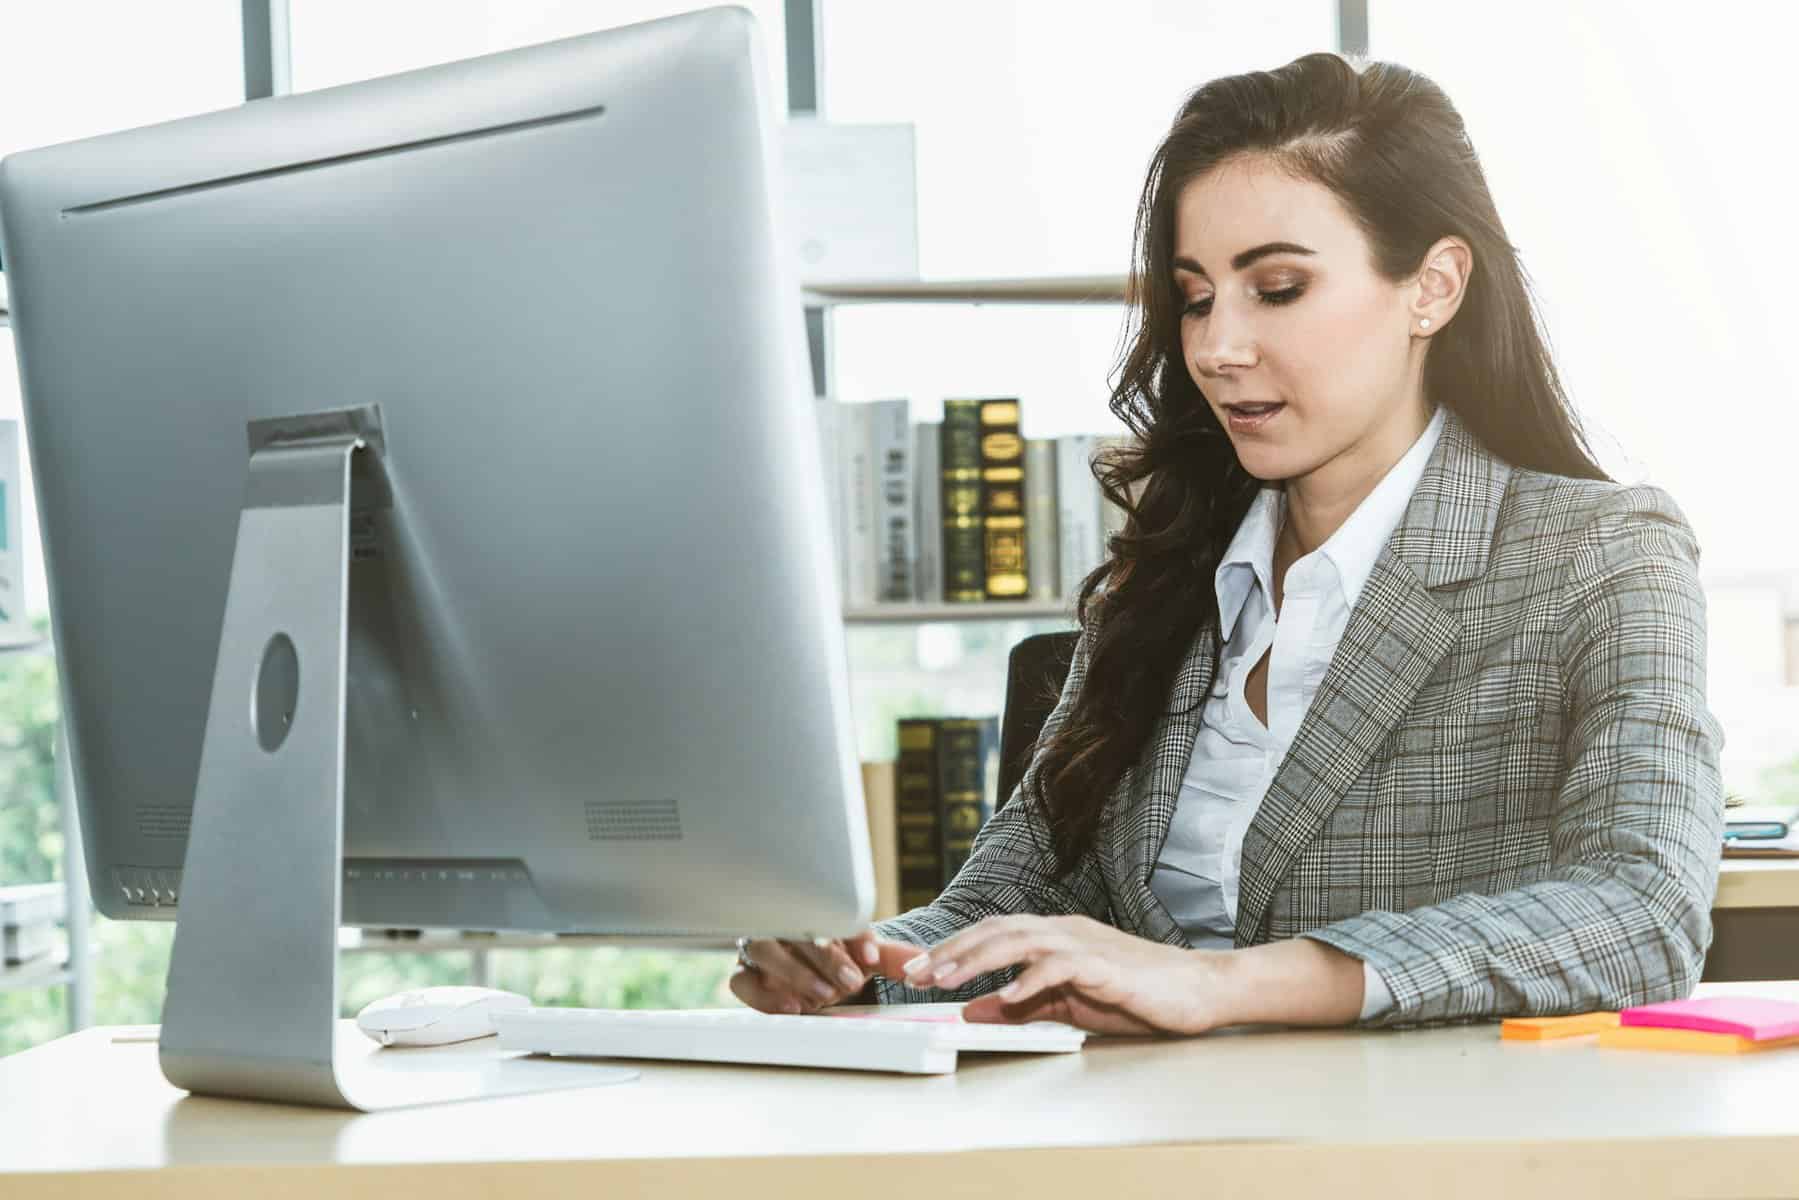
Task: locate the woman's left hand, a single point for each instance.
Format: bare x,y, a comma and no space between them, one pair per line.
1082,972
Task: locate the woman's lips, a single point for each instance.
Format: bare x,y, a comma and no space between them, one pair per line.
1248,418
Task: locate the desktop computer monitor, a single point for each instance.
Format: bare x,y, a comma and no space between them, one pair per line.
430,484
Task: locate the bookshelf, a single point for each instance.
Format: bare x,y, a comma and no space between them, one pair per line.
1048,289
990,610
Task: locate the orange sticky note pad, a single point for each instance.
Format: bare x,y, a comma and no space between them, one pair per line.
1542,1029
1651,1037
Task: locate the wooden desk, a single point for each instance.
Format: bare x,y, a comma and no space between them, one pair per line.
1389,1114
1755,921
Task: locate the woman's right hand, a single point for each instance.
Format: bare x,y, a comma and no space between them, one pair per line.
803,977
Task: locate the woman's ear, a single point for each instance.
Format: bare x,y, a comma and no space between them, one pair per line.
1440,284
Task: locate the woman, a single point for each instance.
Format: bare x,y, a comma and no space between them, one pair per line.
1389,706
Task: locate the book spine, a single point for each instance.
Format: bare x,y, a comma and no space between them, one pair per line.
857,441
1077,510
964,562
928,447
916,813
1112,518
1002,501
1040,518
967,750
897,560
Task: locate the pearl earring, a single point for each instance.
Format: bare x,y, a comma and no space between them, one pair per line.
1424,322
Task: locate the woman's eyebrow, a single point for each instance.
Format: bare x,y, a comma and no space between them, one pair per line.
1247,257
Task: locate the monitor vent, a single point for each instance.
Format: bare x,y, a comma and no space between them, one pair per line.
162,820
633,821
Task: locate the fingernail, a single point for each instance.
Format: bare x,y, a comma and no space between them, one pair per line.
821,991
918,964
943,972
851,977
871,954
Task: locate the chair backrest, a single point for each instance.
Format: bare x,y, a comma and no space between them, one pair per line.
1035,673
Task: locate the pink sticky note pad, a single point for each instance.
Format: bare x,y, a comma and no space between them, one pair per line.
1745,1016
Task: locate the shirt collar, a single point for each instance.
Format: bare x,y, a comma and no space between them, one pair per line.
1249,559
1352,549
1358,541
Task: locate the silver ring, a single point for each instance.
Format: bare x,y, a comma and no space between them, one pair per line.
743,955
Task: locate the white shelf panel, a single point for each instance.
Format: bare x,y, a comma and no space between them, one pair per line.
994,610
1065,289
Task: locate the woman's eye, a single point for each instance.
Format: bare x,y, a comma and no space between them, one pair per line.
1286,295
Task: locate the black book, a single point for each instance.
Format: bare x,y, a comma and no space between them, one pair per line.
964,557
916,813
967,773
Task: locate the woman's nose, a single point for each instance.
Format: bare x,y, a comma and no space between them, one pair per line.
1224,339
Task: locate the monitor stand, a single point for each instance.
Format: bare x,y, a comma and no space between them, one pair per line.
251,1009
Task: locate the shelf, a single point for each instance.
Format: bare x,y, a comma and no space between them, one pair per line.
1758,883
1065,289
49,971
991,610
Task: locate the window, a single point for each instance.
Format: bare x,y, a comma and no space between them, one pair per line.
1635,156
75,68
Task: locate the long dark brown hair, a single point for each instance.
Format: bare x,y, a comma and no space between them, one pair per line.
1392,148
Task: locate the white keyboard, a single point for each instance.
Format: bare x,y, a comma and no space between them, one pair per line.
859,1039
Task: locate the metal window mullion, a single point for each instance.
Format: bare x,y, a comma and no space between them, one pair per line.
268,57
1352,27
805,93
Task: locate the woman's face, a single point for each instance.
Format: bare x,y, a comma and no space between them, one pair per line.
1282,307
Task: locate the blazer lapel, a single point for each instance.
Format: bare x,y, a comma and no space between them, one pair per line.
1397,634
1147,796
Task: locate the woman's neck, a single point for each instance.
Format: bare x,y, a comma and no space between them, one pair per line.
1319,501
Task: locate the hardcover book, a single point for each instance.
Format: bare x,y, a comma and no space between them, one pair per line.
964,555
916,817
1002,501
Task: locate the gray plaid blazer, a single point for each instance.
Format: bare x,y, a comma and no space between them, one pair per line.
1505,794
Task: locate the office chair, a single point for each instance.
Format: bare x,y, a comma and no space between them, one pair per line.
1035,672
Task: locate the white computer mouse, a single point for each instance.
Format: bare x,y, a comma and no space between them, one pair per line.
435,1016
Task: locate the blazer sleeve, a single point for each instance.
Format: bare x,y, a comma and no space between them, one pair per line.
1622,915
1010,869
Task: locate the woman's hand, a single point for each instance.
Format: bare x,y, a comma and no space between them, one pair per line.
1082,972
802,977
